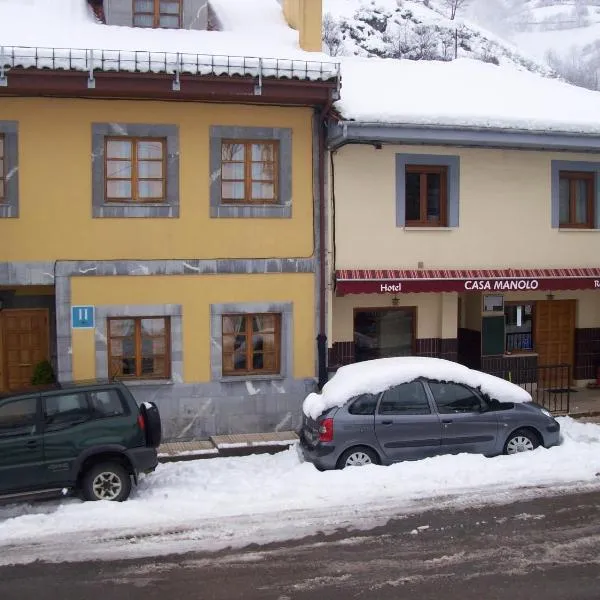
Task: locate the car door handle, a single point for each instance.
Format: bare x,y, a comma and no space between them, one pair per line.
32,444
447,421
387,422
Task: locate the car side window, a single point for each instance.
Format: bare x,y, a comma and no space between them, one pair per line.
405,399
106,403
363,405
65,409
18,417
453,398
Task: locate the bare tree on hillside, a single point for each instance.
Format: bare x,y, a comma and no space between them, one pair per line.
454,6
332,36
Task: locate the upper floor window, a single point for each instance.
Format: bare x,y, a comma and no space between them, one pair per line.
249,172
139,348
426,196
135,169
576,199
251,344
2,170
157,13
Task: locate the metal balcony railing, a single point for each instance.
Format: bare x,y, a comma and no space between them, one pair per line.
144,61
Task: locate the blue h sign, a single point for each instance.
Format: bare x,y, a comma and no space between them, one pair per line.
83,317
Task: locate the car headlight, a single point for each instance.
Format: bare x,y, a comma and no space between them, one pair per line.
546,412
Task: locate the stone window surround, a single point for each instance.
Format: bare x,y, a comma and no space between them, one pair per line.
9,208
167,209
572,165
216,335
443,160
173,311
283,209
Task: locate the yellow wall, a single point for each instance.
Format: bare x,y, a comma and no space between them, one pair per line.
505,207
196,294
306,17
55,182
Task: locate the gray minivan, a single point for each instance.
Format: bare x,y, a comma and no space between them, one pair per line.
423,418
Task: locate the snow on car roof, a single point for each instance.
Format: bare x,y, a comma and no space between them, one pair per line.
374,376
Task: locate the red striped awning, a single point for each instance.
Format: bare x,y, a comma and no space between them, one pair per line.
395,281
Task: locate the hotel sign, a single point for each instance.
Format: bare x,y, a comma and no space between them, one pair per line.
502,285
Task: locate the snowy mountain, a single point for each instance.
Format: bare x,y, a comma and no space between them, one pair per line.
563,33
418,30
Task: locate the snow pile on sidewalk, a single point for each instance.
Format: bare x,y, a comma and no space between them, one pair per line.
463,93
374,376
219,499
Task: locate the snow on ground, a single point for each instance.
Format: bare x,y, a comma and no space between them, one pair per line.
68,24
463,93
374,376
211,504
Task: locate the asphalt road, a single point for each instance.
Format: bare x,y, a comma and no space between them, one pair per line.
547,549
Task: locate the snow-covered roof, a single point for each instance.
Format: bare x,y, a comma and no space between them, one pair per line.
374,376
463,93
61,34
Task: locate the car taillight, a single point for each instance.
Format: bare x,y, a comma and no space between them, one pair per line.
326,430
141,422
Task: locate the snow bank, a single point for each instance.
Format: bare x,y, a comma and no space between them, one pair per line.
221,502
373,376
463,93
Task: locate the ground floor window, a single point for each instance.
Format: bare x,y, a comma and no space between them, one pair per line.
518,319
383,332
251,344
139,347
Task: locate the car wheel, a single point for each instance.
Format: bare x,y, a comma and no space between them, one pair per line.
359,456
521,440
107,481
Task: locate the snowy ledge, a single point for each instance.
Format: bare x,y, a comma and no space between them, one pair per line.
144,61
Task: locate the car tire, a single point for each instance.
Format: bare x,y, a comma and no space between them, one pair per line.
358,456
521,440
106,481
151,416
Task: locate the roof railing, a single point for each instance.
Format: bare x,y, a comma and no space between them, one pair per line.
174,63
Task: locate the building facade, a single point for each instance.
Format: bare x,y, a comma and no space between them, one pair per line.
475,246
163,228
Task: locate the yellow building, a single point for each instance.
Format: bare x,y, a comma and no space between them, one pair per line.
160,211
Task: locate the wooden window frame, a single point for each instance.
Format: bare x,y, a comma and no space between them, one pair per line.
424,171
134,179
250,350
248,181
3,194
156,15
533,317
573,177
138,348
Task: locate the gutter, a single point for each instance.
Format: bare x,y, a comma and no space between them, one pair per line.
348,132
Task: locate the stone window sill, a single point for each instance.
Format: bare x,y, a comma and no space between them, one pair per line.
140,382
430,228
577,230
521,355
244,378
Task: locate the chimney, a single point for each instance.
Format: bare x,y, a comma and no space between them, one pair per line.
305,16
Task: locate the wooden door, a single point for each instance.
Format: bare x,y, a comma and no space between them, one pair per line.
25,344
555,332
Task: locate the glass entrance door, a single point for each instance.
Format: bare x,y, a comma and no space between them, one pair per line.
384,332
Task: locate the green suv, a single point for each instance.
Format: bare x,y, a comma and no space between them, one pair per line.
87,438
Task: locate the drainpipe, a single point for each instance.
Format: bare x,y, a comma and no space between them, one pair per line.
323,115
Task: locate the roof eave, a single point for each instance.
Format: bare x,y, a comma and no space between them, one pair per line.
353,132
159,86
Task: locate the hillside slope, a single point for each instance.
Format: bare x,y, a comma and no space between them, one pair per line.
414,29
